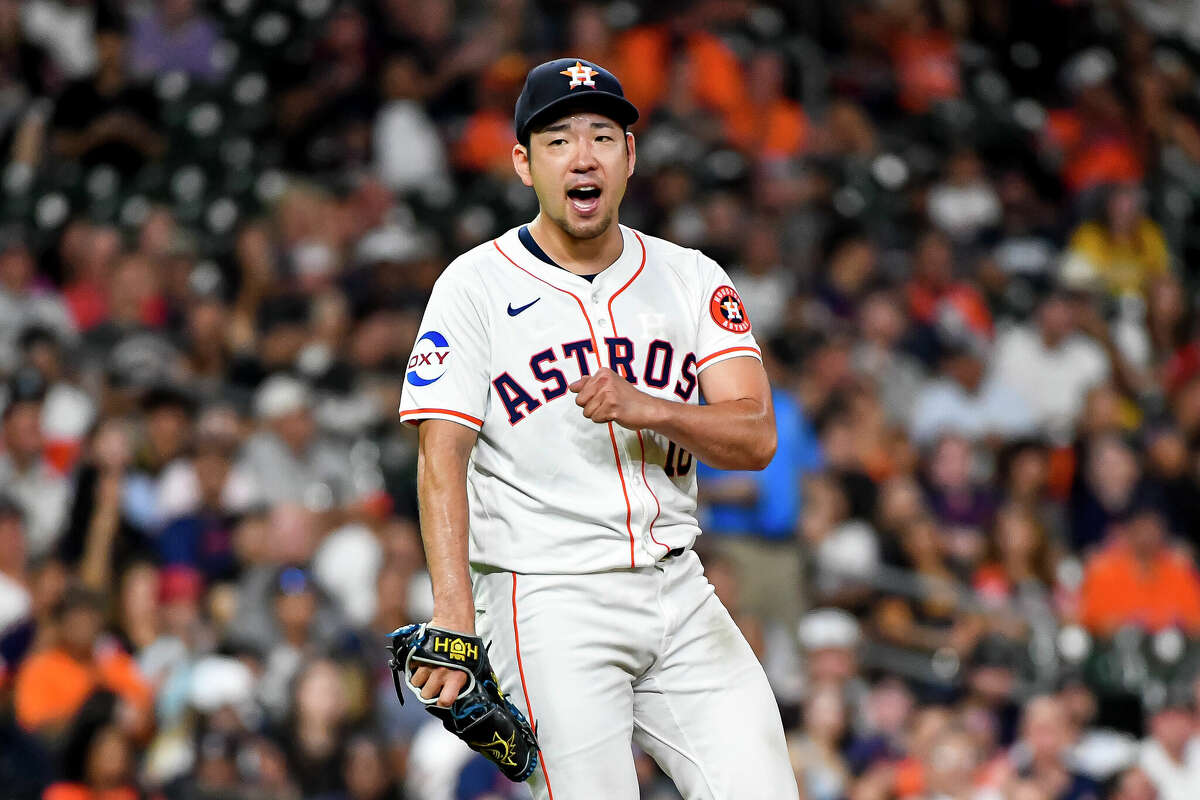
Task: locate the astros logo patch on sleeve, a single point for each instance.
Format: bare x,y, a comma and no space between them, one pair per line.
428,362
727,310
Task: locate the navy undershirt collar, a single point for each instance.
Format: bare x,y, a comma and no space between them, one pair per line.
532,246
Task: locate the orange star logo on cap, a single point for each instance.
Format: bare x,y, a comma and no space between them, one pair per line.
580,75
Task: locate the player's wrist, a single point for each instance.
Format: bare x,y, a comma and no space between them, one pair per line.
459,622
657,412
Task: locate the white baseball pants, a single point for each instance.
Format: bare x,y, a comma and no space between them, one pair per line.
649,655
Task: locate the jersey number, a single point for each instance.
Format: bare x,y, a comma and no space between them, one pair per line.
679,461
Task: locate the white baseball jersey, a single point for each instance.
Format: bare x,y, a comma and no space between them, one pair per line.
503,336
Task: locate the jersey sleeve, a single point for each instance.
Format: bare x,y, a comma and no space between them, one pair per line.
447,374
725,326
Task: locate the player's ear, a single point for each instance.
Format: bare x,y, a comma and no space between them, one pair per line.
520,158
631,149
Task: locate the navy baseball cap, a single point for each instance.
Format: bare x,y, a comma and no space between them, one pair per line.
569,84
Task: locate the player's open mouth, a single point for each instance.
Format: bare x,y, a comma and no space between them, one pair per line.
585,199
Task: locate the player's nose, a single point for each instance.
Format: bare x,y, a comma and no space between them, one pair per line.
585,158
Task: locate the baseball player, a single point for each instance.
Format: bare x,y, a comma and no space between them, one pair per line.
557,380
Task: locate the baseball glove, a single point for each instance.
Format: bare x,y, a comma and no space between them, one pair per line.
481,715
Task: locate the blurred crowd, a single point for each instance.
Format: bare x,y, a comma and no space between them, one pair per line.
966,233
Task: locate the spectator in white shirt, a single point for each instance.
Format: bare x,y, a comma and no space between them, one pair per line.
1171,754
1051,365
15,600
877,355
289,460
969,401
964,203
408,148
25,474
24,303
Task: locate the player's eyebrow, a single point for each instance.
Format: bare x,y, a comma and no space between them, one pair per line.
562,126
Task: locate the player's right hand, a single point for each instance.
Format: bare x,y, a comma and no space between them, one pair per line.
442,682
605,396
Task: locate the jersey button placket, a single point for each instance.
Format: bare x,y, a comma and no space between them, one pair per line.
599,318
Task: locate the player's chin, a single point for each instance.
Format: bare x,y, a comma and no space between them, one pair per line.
587,227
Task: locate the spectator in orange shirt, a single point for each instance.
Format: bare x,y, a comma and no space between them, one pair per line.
773,125
487,138
926,60
643,57
1093,139
53,685
936,295
1139,580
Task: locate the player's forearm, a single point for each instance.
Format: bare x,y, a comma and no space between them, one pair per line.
735,434
442,490
735,430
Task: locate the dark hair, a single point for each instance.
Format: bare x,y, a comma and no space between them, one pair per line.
34,335
1042,557
9,507
166,396
1011,451
97,712
1149,500
110,19
26,385
77,596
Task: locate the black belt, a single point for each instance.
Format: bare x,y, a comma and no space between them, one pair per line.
678,551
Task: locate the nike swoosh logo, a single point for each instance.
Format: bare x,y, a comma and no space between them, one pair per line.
512,312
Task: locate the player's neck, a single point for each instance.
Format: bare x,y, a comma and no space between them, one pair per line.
580,256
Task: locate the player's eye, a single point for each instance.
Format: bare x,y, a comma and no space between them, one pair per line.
604,137
557,141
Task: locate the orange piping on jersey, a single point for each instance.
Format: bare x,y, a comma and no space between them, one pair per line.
657,505
628,506
641,442
524,689
628,282
458,414
595,349
708,358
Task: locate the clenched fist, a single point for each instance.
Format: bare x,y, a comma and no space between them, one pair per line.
607,397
